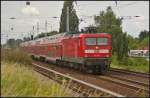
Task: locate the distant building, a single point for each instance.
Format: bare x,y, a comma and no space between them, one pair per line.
139,53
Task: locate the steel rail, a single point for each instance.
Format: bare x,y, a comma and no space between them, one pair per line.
46,74
125,83
141,74
83,85
129,80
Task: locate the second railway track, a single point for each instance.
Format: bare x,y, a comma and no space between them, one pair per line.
113,82
140,74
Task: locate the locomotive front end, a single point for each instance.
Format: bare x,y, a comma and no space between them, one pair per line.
97,52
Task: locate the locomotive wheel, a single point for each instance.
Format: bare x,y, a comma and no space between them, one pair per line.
32,56
42,59
103,70
81,68
62,63
71,65
57,62
46,61
95,70
90,70
77,66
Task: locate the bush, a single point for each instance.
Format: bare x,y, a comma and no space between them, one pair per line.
137,62
131,63
15,55
21,81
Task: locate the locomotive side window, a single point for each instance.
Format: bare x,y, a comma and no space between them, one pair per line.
90,41
102,41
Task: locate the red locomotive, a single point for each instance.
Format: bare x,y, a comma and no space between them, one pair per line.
90,52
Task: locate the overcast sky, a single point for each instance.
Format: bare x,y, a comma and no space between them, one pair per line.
40,11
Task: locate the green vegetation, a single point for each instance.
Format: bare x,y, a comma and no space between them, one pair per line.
133,43
46,34
15,55
143,34
18,81
73,18
12,43
133,64
142,42
107,22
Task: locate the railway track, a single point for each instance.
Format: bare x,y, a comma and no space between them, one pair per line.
127,83
140,74
129,80
84,88
123,84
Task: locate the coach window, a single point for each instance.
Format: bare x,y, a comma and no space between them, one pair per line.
90,41
102,41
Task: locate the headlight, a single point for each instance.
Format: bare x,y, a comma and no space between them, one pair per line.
97,51
104,51
89,51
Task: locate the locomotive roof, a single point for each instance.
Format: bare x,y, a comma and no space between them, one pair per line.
80,34
59,37
95,34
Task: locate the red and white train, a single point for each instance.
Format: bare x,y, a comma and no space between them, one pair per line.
90,52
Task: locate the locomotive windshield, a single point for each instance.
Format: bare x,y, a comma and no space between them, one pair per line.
102,41
96,41
90,41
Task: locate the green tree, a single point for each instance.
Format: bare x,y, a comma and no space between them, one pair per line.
144,43
143,34
52,33
73,18
18,41
140,42
26,39
11,43
108,23
133,43
41,35
125,44
46,34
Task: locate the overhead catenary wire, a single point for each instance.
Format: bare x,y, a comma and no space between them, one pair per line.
89,5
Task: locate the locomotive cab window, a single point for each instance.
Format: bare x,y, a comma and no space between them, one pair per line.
96,41
90,41
102,41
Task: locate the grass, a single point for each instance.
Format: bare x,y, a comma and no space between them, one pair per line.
15,55
133,64
18,80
